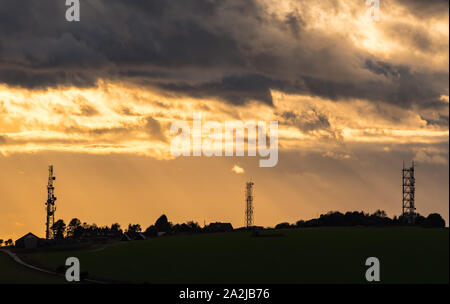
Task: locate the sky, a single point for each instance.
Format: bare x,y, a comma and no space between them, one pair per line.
353,99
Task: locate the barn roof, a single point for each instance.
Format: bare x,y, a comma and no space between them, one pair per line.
125,237
27,235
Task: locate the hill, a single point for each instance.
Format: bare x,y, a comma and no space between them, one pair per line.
319,255
13,273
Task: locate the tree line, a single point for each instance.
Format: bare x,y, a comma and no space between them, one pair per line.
78,230
355,218
8,242
331,219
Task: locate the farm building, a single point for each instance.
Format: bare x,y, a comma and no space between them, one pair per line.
127,236
28,241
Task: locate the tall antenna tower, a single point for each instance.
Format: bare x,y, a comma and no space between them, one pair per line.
51,208
409,190
249,204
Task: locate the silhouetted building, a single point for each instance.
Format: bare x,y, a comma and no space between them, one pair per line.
28,241
128,236
139,236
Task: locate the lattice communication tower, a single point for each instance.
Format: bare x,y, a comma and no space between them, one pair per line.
50,204
249,204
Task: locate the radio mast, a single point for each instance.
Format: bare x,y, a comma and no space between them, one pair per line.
249,204
409,191
51,208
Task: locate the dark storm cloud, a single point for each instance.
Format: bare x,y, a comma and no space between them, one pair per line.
232,50
295,22
442,121
307,122
154,129
400,85
235,88
417,36
100,131
425,8
88,110
128,112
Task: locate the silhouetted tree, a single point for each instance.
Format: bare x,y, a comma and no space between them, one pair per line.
380,213
218,227
115,230
59,227
378,218
300,223
162,224
1,243
332,218
189,227
8,242
403,220
395,220
115,227
434,220
283,226
72,227
150,231
193,226
419,220
134,228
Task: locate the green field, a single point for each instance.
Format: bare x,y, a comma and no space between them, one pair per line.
323,255
13,273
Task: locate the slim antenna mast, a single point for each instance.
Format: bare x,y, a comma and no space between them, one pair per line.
409,191
51,208
249,204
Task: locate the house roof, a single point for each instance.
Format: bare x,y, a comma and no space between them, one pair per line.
27,235
141,235
126,237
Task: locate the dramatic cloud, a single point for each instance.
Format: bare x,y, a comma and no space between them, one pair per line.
232,50
126,119
430,8
153,128
309,121
96,98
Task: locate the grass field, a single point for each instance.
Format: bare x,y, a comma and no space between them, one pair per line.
324,255
13,273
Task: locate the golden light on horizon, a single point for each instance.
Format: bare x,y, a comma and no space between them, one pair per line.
350,95
51,121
